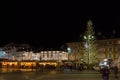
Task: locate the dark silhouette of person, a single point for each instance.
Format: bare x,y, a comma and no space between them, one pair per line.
105,73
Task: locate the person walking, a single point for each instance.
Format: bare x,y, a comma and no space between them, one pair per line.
105,73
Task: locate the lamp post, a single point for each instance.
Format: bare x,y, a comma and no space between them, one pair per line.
69,51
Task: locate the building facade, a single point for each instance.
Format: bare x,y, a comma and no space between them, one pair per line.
28,59
106,49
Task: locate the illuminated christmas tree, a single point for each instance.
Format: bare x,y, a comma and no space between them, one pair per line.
89,56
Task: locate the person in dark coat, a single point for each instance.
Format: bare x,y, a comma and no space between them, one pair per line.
105,73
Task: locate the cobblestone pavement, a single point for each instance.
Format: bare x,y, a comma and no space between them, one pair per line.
53,75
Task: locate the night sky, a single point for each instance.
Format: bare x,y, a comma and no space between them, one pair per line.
51,26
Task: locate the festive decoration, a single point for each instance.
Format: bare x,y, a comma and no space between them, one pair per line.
89,44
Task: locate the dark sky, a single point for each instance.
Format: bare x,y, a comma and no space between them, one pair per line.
52,26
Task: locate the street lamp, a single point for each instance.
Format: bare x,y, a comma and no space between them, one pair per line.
69,52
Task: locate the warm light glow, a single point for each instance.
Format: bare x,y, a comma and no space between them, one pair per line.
85,37
86,45
89,36
105,60
92,37
68,49
118,42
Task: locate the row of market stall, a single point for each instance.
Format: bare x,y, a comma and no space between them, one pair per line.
12,64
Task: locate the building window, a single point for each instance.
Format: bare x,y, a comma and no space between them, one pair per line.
111,42
51,55
118,49
110,49
43,55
